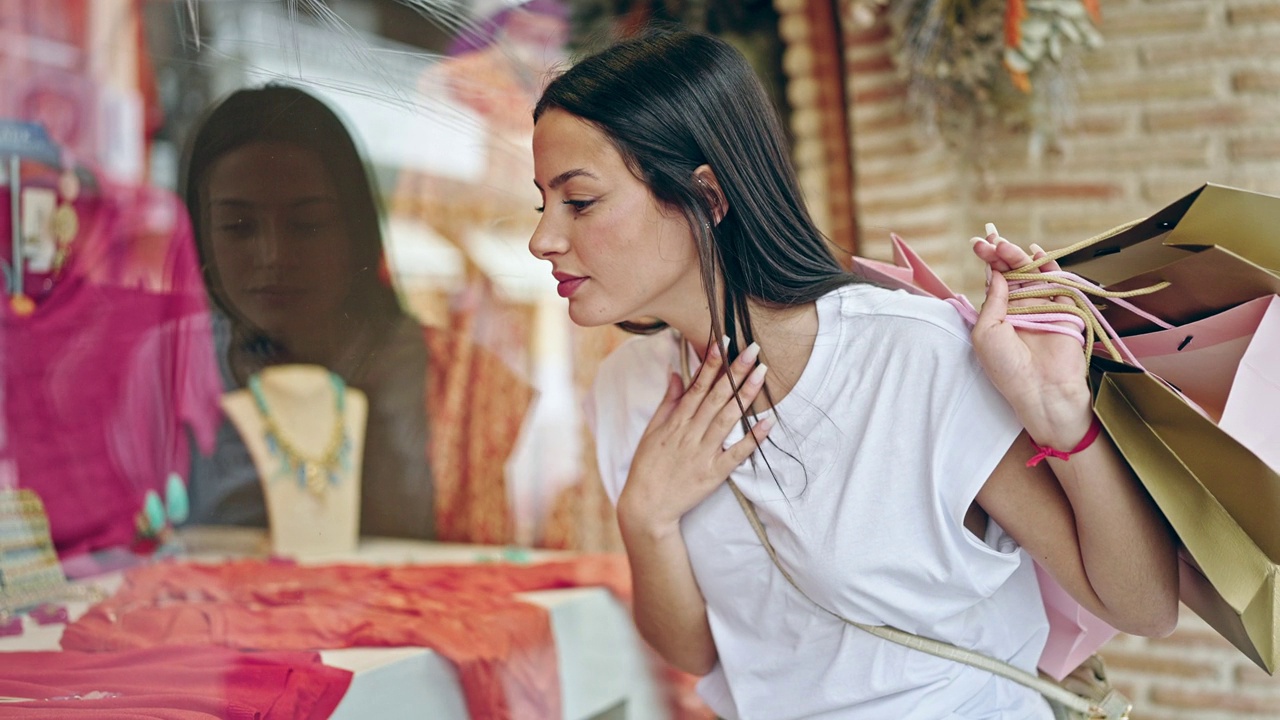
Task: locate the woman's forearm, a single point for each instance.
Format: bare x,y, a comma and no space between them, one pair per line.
670,611
1128,550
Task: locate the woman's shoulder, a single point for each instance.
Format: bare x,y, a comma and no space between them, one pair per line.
914,315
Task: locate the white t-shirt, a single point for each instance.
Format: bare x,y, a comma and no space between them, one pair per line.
881,448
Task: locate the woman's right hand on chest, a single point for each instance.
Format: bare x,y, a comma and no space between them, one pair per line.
681,457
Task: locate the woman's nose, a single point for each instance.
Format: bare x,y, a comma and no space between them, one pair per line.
547,240
273,246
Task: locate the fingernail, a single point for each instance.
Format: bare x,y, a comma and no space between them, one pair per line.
1036,249
724,343
976,240
990,229
766,424
757,376
714,351
748,356
988,269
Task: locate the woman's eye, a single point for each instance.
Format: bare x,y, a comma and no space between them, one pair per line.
579,205
540,208
236,229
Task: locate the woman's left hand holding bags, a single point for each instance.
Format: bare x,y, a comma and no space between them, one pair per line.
1042,374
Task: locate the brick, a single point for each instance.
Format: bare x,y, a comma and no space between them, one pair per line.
1061,230
903,146
882,62
1101,124
903,174
896,119
1191,118
1145,22
1219,701
1179,87
877,236
1109,59
908,202
1102,155
1261,148
1052,191
1218,46
1148,664
877,33
1254,14
893,91
1256,81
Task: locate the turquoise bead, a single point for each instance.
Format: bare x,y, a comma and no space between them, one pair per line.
177,505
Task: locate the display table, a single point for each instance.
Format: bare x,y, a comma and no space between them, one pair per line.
604,670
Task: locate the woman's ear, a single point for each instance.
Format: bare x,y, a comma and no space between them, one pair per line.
706,180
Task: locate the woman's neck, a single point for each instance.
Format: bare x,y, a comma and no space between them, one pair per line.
786,337
338,345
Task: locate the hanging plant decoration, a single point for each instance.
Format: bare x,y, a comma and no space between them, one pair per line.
972,65
1038,29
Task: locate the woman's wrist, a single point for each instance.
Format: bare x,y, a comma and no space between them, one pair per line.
635,521
1061,424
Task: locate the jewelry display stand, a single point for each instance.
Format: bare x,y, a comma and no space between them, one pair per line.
305,433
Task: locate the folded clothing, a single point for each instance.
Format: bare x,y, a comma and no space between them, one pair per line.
502,646
170,683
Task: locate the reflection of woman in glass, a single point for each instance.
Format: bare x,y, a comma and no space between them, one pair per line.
287,223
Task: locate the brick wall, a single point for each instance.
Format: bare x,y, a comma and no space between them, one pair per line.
1183,92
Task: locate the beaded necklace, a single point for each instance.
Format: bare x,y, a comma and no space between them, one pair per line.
314,474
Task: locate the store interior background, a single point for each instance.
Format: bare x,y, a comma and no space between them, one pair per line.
1181,92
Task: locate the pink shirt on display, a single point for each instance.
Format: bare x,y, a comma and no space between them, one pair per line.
104,382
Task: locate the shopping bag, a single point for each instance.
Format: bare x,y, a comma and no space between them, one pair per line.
907,272
1074,632
1213,471
1220,498
1229,365
1217,248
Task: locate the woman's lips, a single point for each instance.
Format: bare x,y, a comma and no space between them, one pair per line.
277,295
568,286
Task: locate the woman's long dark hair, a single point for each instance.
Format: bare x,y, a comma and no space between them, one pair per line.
672,101
286,114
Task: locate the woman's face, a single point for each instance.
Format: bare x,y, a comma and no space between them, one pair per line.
275,225
617,253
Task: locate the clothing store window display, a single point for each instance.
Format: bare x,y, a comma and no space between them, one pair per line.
106,371
288,225
881,441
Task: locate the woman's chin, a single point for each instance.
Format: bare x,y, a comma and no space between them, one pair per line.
584,316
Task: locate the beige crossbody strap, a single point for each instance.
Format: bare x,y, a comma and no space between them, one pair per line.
941,649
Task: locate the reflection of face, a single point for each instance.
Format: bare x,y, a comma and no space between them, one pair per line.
618,254
275,225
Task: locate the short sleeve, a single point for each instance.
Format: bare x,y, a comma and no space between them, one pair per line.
977,433
627,390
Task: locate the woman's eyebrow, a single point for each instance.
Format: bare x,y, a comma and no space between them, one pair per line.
566,176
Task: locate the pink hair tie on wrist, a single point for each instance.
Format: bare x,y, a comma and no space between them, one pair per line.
1047,452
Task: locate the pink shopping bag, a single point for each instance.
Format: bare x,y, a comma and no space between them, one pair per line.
1229,365
1074,632
906,272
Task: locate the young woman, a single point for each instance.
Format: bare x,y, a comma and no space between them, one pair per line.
288,225
886,445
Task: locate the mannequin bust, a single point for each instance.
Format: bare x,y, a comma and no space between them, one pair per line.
304,429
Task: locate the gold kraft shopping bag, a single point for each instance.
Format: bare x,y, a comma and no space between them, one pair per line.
1221,499
1218,247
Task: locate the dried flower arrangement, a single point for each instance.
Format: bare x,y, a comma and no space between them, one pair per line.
972,64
